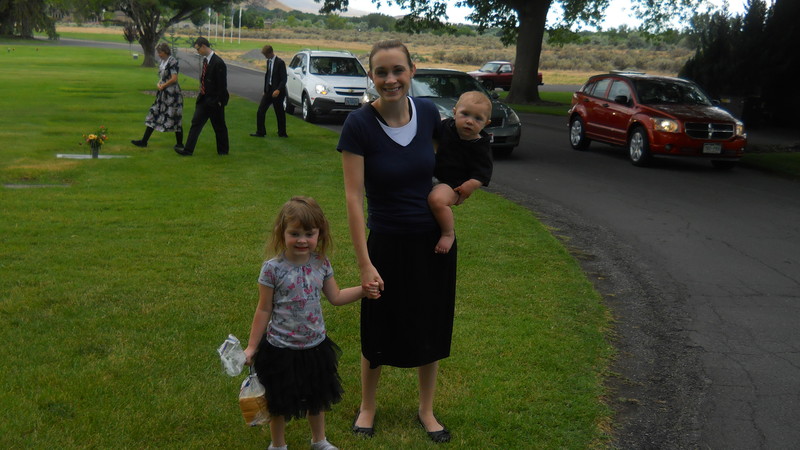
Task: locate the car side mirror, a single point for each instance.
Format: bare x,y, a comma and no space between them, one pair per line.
715,102
622,100
495,95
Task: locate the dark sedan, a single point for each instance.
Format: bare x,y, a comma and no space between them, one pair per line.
444,86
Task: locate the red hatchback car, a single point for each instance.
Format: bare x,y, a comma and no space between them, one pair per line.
654,116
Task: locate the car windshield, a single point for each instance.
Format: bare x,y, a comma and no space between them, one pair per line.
670,92
332,65
489,67
443,85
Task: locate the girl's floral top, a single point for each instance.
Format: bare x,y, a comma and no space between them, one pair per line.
296,320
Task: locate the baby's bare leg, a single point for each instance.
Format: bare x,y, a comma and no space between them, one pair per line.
440,199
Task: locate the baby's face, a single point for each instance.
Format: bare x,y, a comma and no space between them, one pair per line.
471,117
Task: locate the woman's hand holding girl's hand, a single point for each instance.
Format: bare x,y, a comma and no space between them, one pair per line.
369,278
371,290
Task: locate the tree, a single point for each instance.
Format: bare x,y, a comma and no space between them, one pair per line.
335,22
252,19
152,18
378,20
781,62
750,57
525,22
23,17
129,33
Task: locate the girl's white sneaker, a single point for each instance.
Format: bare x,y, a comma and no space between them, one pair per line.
323,445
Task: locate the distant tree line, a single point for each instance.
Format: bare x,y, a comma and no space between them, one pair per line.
22,18
258,17
753,56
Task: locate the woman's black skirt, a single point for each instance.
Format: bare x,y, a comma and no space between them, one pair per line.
411,324
299,382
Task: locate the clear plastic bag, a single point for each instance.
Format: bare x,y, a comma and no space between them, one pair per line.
252,401
232,356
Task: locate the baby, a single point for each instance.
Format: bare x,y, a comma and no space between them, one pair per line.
463,161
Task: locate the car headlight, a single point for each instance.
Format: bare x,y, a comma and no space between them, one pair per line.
740,129
513,118
370,94
668,125
321,89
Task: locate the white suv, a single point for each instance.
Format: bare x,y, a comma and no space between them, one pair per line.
324,83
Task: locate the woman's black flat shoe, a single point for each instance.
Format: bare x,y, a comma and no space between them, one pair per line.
440,436
362,431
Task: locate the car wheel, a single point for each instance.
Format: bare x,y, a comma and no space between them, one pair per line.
639,147
577,134
489,85
287,105
308,113
723,165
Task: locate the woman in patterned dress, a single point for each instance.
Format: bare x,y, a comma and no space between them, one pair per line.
167,110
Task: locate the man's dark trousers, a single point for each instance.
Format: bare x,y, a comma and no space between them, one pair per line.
202,113
277,103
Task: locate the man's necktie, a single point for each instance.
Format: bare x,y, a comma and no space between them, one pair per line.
203,77
269,72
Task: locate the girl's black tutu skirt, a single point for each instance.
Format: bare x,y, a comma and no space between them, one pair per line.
299,382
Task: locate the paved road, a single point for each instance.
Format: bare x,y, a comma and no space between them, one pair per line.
700,267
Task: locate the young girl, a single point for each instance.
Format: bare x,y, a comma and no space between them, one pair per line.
294,358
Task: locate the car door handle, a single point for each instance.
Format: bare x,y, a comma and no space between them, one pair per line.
605,105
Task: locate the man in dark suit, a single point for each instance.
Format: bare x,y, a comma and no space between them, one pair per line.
274,94
211,101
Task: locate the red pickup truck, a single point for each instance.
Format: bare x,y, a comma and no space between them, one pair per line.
497,74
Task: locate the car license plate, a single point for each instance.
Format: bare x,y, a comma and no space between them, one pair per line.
351,101
712,148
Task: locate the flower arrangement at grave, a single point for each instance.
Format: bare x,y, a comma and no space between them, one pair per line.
96,140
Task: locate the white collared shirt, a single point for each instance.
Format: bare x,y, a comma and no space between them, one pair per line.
270,69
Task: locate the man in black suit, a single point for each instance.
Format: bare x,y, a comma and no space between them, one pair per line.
211,101
274,94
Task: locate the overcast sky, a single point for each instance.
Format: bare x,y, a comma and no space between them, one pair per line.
618,13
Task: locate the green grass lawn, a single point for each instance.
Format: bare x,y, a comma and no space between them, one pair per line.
559,103
783,164
120,277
